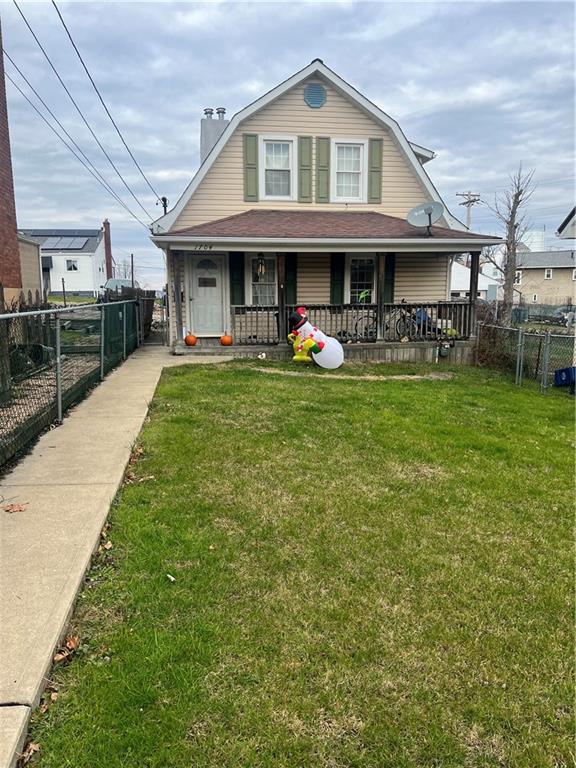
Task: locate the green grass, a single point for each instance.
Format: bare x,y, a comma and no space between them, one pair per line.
369,574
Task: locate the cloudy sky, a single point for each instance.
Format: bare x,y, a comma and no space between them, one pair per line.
485,85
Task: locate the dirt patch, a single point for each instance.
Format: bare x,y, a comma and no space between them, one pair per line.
440,376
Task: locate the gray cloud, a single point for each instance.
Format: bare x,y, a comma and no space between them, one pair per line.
486,85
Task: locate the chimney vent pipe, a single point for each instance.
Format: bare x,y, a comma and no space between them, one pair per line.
208,112
221,111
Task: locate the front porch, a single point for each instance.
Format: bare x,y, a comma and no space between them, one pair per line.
358,323
365,278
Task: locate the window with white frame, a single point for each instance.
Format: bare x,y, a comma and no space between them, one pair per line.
518,277
574,274
547,274
361,280
534,298
263,280
277,168
349,172
72,265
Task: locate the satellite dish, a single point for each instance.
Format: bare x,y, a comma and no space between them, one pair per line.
425,215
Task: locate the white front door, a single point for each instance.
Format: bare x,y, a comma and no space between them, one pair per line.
207,295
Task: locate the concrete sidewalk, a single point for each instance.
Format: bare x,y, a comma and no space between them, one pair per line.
66,484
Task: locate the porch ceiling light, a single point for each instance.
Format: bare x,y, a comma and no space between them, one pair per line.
261,265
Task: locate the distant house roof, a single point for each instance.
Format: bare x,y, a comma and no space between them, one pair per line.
543,259
312,225
567,230
65,240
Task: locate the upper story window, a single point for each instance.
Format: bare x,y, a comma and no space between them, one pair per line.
72,265
518,277
547,274
574,274
349,171
277,168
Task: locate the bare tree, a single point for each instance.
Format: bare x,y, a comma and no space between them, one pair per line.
510,209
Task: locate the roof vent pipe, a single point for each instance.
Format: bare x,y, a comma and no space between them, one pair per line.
220,111
208,112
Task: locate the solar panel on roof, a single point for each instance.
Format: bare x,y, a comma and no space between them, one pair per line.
78,243
51,242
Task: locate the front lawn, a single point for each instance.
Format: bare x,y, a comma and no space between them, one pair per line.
367,574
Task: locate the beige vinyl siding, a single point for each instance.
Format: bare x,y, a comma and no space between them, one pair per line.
30,267
421,277
313,278
221,192
561,289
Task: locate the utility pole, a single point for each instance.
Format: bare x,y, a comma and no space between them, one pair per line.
470,199
132,269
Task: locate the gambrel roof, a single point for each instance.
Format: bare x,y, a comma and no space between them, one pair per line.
411,151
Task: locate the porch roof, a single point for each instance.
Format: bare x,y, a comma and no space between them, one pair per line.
290,227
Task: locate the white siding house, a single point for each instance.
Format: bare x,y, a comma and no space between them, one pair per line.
76,256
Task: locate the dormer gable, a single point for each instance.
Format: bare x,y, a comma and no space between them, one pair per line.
314,142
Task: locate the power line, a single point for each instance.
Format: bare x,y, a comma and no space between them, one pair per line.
85,121
35,108
71,138
102,101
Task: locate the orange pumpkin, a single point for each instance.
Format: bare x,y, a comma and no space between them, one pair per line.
190,340
226,340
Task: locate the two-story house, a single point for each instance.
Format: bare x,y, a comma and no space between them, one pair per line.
73,260
301,199
546,277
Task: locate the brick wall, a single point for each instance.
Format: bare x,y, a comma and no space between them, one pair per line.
10,274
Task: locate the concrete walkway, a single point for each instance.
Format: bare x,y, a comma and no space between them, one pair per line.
66,486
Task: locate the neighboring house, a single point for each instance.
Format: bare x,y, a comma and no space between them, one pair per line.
302,199
30,266
460,283
567,230
77,256
546,277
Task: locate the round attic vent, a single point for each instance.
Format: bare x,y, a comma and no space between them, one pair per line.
315,95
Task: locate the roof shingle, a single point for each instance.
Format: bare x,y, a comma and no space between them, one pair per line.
316,224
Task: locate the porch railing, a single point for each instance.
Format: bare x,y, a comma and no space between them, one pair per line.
359,323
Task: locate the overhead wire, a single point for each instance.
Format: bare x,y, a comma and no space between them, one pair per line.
77,156
73,100
118,131
103,181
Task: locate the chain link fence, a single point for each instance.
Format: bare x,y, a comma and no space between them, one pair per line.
525,354
50,359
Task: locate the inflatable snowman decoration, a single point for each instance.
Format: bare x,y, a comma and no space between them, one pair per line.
306,338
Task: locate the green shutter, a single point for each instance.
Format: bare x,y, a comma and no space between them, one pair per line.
375,171
304,169
322,170
290,278
337,264
236,278
250,142
389,274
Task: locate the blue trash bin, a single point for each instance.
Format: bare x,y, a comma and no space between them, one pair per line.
565,377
